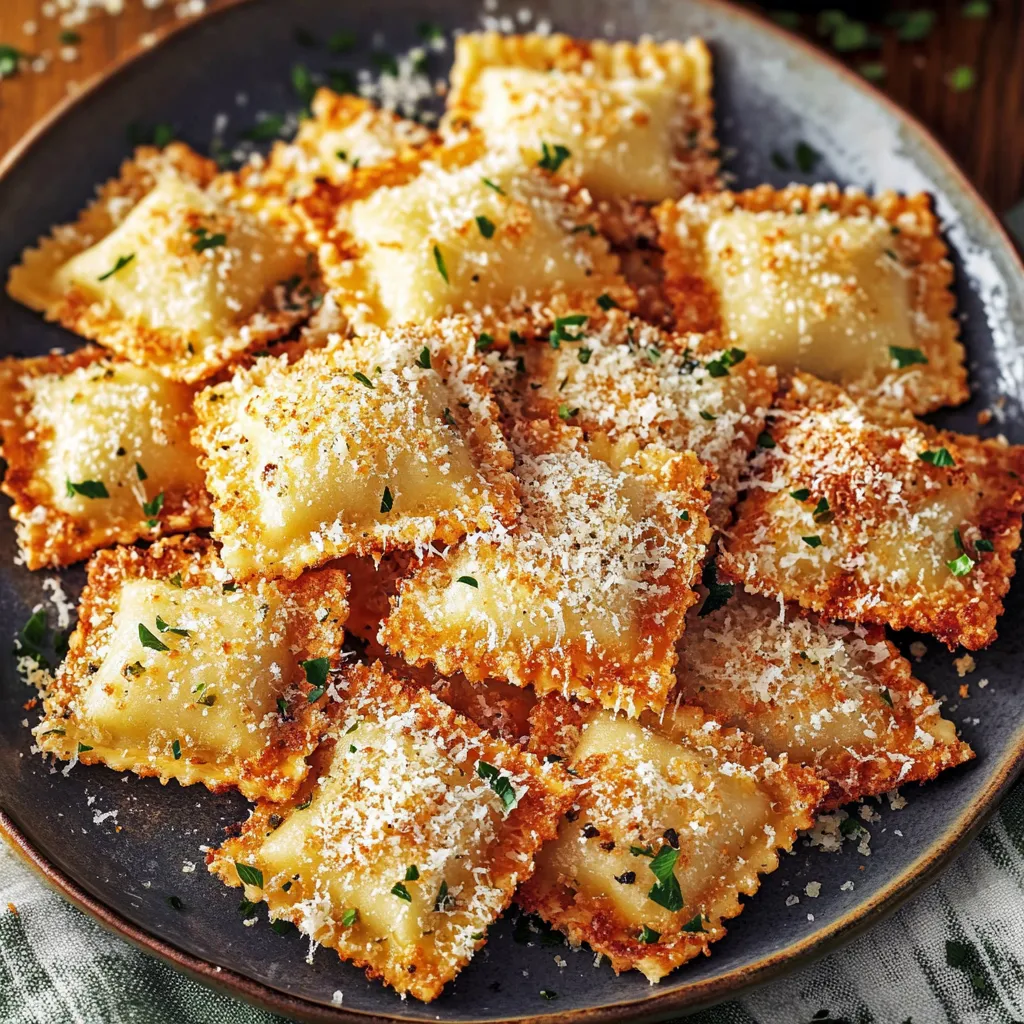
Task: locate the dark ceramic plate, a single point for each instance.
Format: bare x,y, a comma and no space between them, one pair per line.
772,92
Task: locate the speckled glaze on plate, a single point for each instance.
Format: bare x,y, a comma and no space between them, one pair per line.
772,91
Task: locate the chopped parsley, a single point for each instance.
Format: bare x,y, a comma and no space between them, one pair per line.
765,440
448,417
710,417
412,873
641,851
134,670
695,924
10,58
940,457
88,489
176,750
363,379
501,784
822,513
666,892
486,226
552,157
349,917
440,264
387,501
249,875
961,566
140,472
152,509
164,628
83,748
904,357
399,890
469,581
316,670
885,695
565,413
584,355
491,185
564,328
851,827
812,542
204,240
424,358
150,641
606,302
119,264
229,588
719,367
718,593
648,935
484,341
984,545
802,494
444,900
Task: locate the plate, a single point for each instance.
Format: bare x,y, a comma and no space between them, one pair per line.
121,846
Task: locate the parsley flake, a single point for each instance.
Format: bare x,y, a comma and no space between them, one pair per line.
399,890
176,750
719,367
563,329
648,935
584,355
940,457
491,185
150,641
707,416
469,581
666,892
822,513
387,501
961,566
444,900
164,628
553,156
695,924
484,341
204,240
565,413
83,748
984,545
812,542
119,264
904,357
440,264
501,784
606,302
802,494
140,472
349,917
765,440
424,358
885,695
249,875
448,417
718,593
486,226
88,489
363,379
316,670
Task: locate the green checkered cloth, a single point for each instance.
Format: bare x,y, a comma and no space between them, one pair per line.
955,953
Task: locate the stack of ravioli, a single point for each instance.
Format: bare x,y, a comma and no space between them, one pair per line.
511,512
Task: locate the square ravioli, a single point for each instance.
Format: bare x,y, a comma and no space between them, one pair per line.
629,120
852,289
172,267
176,671
870,517
836,697
459,230
587,594
676,818
622,376
389,441
344,134
98,453
408,843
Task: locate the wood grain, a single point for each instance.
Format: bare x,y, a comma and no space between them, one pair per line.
983,126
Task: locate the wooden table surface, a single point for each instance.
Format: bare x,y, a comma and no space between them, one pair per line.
981,124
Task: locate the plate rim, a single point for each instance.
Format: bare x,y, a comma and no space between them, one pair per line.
656,1005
